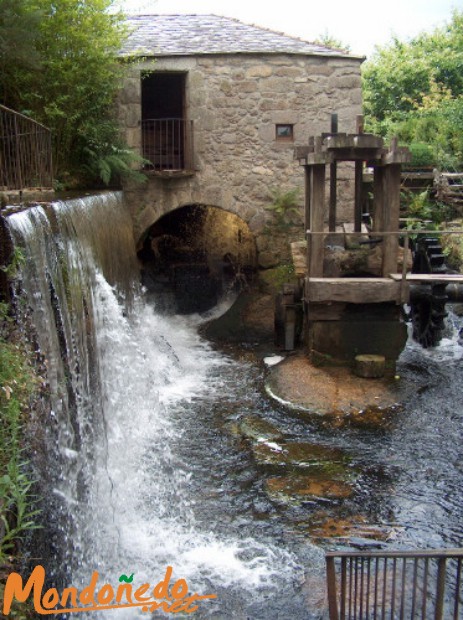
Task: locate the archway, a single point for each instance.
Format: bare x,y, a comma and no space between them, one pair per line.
193,255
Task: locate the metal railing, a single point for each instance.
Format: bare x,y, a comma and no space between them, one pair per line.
167,144
395,585
25,152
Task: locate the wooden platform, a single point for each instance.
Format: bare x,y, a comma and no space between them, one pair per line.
431,278
355,290
371,290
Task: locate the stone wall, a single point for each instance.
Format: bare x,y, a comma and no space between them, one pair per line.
235,102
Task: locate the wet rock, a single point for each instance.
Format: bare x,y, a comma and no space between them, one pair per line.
334,395
299,454
298,489
326,526
256,429
370,366
365,543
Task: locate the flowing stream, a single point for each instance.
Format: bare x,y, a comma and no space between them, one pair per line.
139,458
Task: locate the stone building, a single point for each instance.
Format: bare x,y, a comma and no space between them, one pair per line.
217,107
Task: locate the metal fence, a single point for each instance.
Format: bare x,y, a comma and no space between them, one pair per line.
168,144
25,152
395,585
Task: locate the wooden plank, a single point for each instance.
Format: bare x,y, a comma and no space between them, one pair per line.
432,278
314,159
355,141
352,290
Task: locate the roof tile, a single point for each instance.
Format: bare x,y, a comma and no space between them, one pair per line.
190,35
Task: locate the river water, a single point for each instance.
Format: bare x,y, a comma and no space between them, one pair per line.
140,457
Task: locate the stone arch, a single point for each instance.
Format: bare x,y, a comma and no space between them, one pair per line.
192,255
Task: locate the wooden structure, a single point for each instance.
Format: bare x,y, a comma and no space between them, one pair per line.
449,189
357,312
356,276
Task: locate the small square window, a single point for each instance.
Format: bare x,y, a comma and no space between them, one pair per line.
285,132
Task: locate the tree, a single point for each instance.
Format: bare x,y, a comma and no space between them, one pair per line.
73,85
19,56
415,90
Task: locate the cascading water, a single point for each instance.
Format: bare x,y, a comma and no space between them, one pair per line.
115,456
139,461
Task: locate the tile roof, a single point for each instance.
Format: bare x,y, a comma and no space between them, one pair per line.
190,35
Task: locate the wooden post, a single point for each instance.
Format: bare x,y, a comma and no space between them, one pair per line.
378,199
331,587
358,196
317,211
333,181
403,282
440,589
391,214
307,195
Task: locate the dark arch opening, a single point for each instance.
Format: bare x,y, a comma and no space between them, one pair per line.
194,255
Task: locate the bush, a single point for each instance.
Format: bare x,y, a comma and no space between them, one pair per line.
422,155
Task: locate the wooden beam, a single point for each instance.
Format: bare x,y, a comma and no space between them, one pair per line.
352,290
333,196
358,196
431,278
307,177
378,199
315,252
391,214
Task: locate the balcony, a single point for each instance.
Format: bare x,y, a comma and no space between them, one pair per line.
167,145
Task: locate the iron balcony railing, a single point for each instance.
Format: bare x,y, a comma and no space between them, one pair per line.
168,144
394,585
25,152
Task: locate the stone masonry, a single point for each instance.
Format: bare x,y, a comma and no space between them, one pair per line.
235,101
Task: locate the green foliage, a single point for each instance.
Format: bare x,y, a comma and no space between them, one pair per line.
68,74
19,27
422,155
16,262
421,208
284,205
106,158
272,280
414,91
17,383
327,40
452,246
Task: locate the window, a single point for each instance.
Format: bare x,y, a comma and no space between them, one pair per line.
284,133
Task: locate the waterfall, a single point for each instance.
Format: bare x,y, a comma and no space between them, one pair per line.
117,493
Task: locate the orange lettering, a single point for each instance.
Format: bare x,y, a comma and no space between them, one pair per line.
105,595
138,594
87,595
14,589
126,595
69,593
161,590
50,598
179,589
